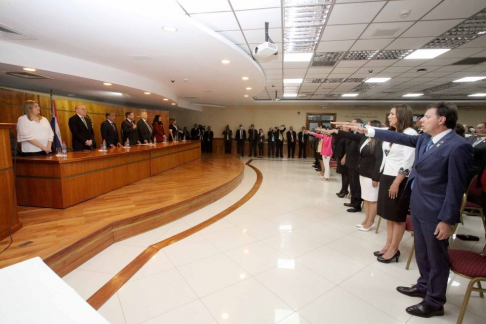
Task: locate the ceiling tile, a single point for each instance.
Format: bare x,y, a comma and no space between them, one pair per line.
436,74
276,72
354,13
192,6
370,44
478,42
366,70
348,64
439,61
344,70
234,36
410,63
461,52
385,30
409,43
373,63
384,74
319,70
456,9
342,32
255,19
271,65
218,21
335,46
397,69
430,28
257,36
244,48
339,75
296,65
453,68
392,10
254,4
294,74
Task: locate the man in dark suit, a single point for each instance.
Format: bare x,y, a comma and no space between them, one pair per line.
227,138
253,140
303,139
109,133
291,139
272,138
208,139
202,132
240,138
129,129
144,129
195,133
436,186
351,161
478,142
81,130
280,140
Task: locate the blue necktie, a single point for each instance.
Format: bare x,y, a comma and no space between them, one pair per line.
429,144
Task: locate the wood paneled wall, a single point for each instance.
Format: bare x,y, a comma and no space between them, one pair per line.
11,109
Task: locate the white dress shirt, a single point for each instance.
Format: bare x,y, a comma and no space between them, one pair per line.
31,130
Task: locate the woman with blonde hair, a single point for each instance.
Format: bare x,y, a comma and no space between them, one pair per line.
34,132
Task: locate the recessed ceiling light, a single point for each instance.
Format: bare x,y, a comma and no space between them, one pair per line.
290,95
413,95
298,57
245,78
107,83
165,99
246,96
377,80
173,104
169,29
424,54
293,80
477,95
225,61
248,88
147,93
470,79
350,95
29,69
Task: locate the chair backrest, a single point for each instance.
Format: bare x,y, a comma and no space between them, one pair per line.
472,190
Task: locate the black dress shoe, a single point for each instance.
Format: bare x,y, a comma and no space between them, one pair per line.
412,291
342,195
395,257
425,310
354,210
349,205
377,254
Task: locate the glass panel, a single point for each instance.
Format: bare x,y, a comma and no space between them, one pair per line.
327,117
313,125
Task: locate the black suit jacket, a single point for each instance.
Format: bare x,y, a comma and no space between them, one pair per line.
228,132
109,134
306,138
80,133
144,133
208,136
280,131
252,135
352,154
289,140
270,134
195,134
237,137
479,153
129,132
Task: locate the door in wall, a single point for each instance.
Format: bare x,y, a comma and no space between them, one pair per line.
315,120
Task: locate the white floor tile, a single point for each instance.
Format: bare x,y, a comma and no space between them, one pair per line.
292,244
242,216
356,248
154,295
246,302
190,249
159,262
291,220
212,274
230,238
320,233
112,310
112,259
263,229
295,318
295,284
192,313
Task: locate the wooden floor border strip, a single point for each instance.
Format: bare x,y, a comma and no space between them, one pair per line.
111,287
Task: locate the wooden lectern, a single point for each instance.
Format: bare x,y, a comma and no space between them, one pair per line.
8,202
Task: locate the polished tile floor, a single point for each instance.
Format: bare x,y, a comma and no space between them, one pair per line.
291,255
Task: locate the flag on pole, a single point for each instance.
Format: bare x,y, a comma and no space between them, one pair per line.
55,125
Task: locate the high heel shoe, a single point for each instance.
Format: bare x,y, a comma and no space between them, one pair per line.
342,194
378,253
364,229
395,257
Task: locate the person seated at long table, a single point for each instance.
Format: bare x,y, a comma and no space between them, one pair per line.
34,131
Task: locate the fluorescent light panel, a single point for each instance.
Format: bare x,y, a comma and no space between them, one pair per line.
470,79
298,57
426,54
350,95
477,95
293,81
413,95
377,80
290,95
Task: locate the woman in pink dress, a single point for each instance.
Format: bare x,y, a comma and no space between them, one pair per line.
326,152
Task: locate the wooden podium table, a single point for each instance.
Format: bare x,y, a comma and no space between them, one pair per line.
60,182
8,204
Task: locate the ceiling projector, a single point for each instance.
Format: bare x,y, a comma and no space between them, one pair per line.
265,50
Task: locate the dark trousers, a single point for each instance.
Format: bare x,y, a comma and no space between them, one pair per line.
316,156
355,187
241,148
432,259
271,149
227,147
253,148
260,149
203,146
279,151
290,149
302,152
209,147
344,181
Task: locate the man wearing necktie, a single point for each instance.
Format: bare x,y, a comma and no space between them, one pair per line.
303,139
291,139
129,129
81,130
144,129
436,185
280,141
240,140
252,140
228,137
109,133
478,142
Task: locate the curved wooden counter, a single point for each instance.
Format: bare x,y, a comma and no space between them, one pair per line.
60,182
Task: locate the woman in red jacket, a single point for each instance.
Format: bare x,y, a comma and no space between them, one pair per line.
158,129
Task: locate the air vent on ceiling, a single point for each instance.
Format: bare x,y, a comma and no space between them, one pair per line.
385,32
27,75
8,33
471,61
309,80
322,63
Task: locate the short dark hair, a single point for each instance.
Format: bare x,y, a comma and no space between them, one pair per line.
460,130
108,114
447,110
375,123
359,120
127,114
